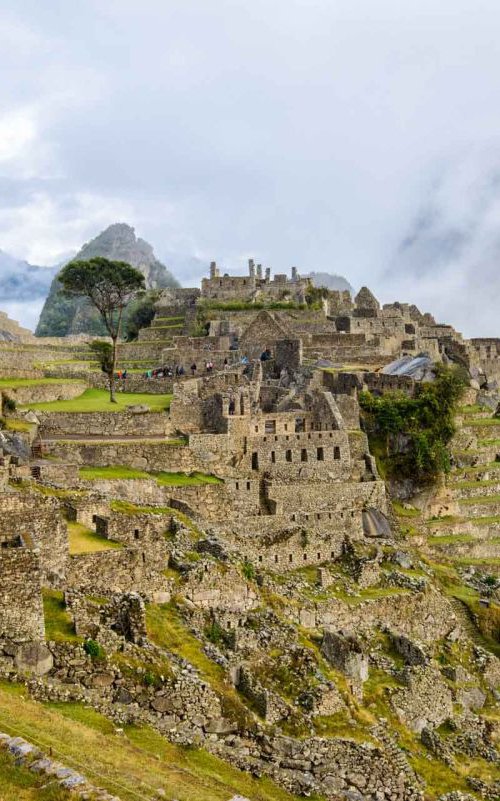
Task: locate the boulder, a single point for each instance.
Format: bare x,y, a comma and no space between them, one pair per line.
34,657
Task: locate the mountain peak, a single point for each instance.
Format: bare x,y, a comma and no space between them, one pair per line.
118,242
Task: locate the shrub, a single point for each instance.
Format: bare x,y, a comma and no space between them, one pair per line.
93,649
214,632
248,570
410,435
139,314
9,404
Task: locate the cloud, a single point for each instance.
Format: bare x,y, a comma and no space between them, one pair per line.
336,135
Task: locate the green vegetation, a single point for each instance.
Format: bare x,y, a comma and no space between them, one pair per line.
139,314
84,540
452,539
163,479
237,305
167,629
404,511
94,650
108,286
15,383
58,624
97,400
410,435
134,765
22,426
19,783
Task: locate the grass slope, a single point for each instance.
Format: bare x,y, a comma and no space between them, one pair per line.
97,400
134,765
163,479
18,783
84,540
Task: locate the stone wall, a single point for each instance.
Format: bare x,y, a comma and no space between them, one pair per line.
135,383
37,519
122,570
104,424
21,608
43,393
426,616
150,455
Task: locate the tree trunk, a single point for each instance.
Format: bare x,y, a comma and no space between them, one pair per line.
112,373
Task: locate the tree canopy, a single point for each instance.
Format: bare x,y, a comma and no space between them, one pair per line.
108,286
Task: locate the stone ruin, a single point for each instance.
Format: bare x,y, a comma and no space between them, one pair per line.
274,548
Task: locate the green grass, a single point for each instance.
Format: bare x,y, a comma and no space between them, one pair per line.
402,511
21,426
480,468
452,539
473,409
183,479
58,624
15,383
176,442
134,509
19,783
84,540
167,629
472,484
134,765
163,479
97,400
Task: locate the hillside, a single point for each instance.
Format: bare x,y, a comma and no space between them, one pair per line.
61,316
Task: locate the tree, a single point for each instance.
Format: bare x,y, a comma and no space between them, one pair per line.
108,286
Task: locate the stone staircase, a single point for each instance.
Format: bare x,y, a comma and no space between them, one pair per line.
465,619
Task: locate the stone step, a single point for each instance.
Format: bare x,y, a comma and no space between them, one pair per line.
467,624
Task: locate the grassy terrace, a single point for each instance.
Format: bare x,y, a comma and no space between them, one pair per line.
135,765
58,623
84,540
15,383
481,500
97,400
175,442
163,479
127,508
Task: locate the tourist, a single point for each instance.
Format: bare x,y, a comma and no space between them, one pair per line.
193,369
232,406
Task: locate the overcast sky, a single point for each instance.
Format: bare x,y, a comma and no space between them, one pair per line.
355,136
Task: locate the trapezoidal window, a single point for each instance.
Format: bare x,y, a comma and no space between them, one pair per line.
288,456
270,427
303,455
255,460
299,425
273,456
321,455
336,452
